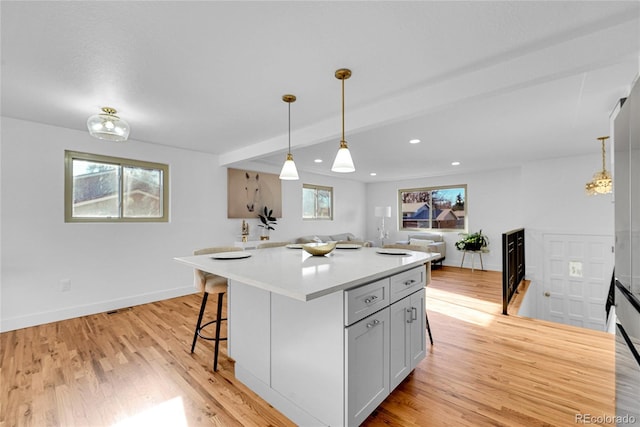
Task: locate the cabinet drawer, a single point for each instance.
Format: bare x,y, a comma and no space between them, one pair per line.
365,300
406,283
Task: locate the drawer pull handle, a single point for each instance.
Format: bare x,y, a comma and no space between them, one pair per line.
371,299
413,314
409,282
372,324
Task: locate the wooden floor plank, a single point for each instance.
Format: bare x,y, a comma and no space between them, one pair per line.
484,369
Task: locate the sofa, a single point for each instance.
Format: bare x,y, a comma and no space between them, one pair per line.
433,241
341,238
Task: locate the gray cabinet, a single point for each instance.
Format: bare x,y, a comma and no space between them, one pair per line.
408,337
327,361
367,366
626,186
383,348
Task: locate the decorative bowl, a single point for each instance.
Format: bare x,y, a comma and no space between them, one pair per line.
319,249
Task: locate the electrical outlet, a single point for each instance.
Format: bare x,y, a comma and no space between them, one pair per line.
65,285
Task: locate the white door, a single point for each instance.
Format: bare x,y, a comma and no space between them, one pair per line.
577,275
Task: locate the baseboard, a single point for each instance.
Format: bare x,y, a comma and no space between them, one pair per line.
14,323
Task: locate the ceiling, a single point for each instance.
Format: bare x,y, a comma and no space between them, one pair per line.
488,84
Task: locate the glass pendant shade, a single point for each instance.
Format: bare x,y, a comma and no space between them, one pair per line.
343,162
108,126
600,184
289,171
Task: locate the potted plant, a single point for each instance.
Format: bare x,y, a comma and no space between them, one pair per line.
267,221
472,242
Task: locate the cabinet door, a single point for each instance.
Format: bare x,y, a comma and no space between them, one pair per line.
367,366
400,337
418,329
408,336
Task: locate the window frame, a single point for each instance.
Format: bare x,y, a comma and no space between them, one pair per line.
431,220
316,188
70,156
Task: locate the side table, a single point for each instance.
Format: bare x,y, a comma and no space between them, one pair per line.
473,255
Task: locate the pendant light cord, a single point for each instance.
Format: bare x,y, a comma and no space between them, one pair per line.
289,127
342,110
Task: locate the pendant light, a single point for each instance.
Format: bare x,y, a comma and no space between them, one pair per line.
601,182
343,162
108,126
289,171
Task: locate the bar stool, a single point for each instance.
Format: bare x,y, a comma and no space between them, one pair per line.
428,327
208,283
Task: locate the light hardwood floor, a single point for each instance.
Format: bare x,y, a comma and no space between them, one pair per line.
134,368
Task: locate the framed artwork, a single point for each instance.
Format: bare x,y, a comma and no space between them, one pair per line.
248,192
428,208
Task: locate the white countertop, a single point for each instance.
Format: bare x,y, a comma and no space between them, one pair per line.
296,274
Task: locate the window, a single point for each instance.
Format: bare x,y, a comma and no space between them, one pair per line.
110,189
317,202
442,208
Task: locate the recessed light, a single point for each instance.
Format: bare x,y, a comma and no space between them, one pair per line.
414,141
318,160
455,163
373,174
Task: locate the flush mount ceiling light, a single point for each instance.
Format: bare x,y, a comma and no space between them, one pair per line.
601,182
343,162
289,171
108,126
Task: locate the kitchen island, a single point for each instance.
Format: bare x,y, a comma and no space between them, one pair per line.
324,339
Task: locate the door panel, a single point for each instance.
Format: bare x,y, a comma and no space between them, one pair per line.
576,279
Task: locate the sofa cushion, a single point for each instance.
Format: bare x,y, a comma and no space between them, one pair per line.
342,237
436,237
420,242
434,241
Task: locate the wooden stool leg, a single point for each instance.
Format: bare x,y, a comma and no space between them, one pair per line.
202,306
428,327
218,322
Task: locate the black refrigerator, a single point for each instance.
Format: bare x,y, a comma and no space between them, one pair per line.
627,255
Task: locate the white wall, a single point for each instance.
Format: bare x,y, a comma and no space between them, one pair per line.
543,196
554,201
118,265
492,205
349,202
